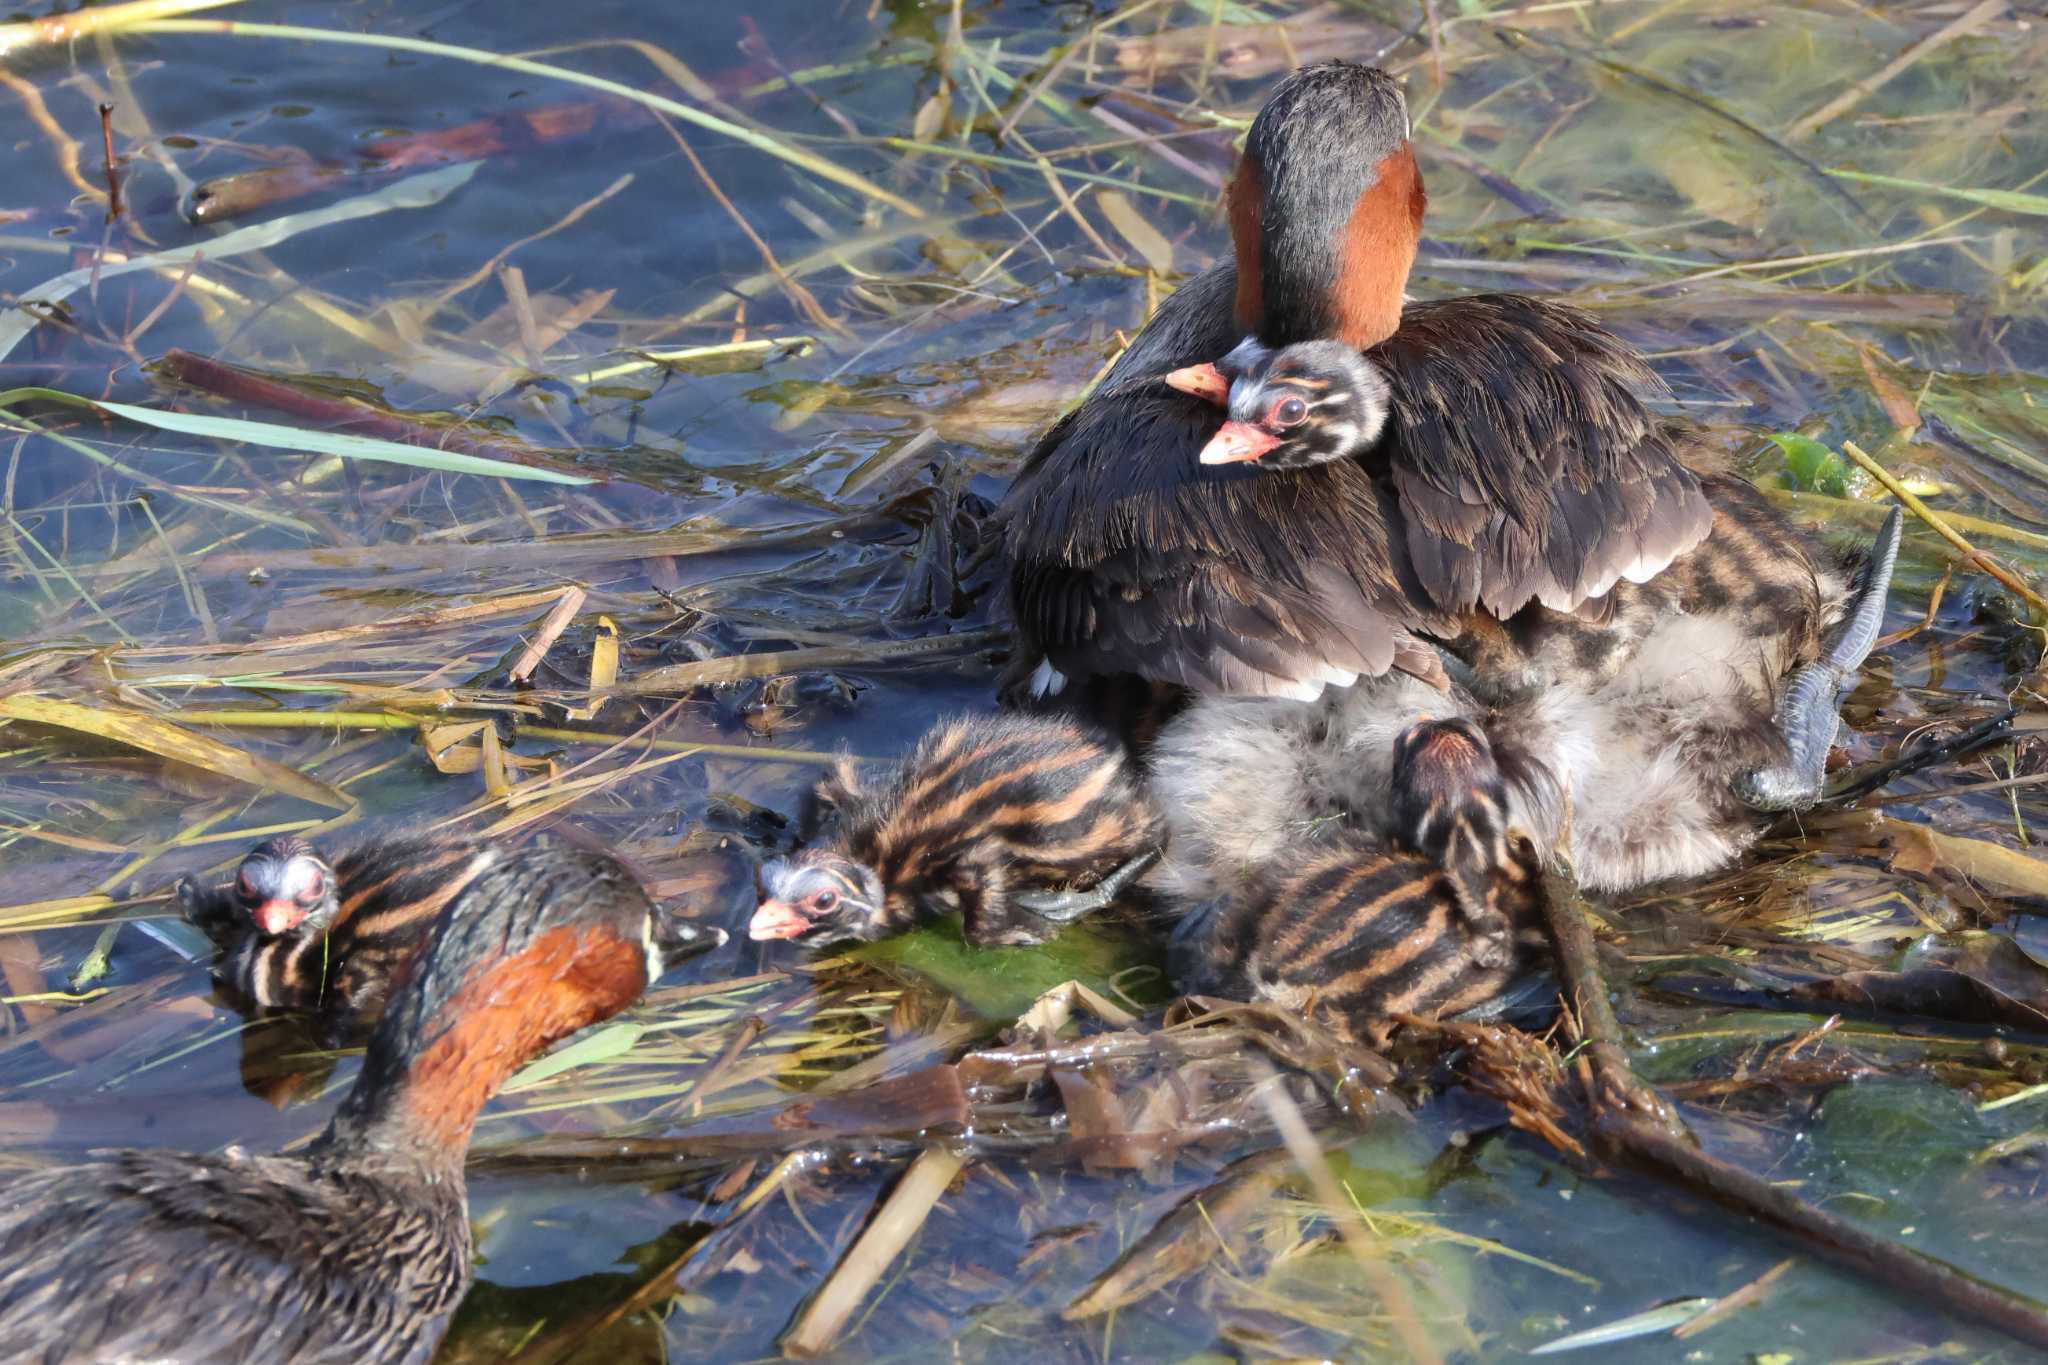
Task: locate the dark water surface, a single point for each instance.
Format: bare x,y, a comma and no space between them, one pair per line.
1034,177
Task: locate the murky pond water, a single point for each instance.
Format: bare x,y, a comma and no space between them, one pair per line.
794,329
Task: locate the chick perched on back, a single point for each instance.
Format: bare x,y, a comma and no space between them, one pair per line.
1020,823
1360,931
296,932
358,1248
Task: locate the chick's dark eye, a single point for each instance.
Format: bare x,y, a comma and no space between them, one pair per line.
825,900
1288,412
245,888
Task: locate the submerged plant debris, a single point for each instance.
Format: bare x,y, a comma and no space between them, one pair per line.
680,365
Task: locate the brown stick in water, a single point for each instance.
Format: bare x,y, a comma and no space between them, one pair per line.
245,386
107,149
1636,1125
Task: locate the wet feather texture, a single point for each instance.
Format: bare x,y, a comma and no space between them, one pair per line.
1433,921
360,1250
1623,736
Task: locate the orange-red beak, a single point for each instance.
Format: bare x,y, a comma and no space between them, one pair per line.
1203,381
776,919
1237,441
277,916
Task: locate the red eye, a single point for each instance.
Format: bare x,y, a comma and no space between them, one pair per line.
1288,412
314,890
825,901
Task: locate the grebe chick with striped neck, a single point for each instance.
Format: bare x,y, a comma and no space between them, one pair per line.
1020,823
1434,922
296,932
359,1249
1313,402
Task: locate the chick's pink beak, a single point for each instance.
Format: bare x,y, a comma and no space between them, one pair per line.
278,916
1237,441
1203,381
776,919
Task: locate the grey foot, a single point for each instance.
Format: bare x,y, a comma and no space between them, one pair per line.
1064,907
1807,713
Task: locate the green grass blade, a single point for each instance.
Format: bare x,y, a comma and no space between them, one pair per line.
614,1040
414,192
2012,201
331,443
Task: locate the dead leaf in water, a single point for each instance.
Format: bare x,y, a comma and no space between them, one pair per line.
1712,177
1918,849
1147,240
139,730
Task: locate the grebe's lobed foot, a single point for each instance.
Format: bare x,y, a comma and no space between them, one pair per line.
1807,714
1064,907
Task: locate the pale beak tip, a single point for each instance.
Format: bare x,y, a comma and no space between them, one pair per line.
275,919
1237,442
1201,381
774,920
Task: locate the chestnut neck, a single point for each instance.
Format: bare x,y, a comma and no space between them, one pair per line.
438,1055
1324,251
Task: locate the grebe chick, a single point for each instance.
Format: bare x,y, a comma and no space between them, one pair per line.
1358,930
1020,823
298,933
359,1249
1313,402
1665,764
1517,464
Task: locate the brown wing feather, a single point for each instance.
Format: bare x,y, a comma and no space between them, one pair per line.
1520,467
1525,465
1126,555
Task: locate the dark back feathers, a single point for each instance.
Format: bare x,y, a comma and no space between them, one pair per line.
1518,466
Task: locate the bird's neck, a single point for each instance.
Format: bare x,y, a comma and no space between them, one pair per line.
438,1055
1320,255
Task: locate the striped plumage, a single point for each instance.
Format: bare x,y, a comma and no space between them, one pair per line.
1517,463
983,808
1359,931
358,1247
347,954
1627,738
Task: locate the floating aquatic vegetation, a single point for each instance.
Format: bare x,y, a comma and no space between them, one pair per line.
796,351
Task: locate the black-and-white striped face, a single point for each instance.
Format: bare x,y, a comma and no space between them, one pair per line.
284,886
1302,405
819,897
